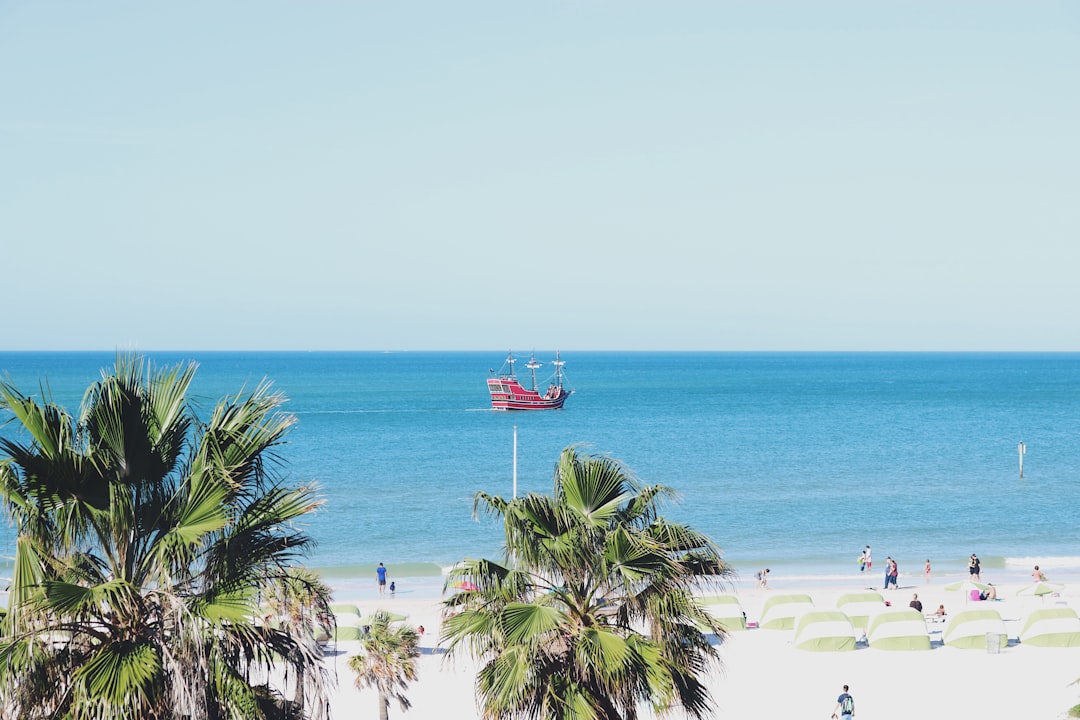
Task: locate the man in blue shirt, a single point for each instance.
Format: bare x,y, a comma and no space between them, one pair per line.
380,575
845,706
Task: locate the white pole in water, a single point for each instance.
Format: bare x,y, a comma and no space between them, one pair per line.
515,463
1022,450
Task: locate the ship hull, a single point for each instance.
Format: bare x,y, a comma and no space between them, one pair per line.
508,394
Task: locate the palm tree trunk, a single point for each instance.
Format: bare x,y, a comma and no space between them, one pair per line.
384,706
298,693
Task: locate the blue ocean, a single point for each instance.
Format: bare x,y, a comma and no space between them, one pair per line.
789,460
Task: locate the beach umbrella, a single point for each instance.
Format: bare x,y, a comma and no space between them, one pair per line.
966,586
1040,589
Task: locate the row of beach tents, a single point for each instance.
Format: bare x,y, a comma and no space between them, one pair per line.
889,628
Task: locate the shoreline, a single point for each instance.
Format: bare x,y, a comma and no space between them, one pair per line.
783,576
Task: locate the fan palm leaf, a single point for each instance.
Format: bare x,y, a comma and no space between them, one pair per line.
145,539
592,612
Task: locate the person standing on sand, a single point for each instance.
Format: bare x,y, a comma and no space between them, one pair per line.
927,571
763,579
869,558
845,705
973,567
890,572
380,575
1038,575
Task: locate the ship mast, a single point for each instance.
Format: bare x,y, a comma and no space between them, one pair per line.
558,368
533,366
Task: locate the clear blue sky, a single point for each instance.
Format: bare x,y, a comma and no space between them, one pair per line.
581,175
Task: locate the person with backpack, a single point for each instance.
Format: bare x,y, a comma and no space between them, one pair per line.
845,706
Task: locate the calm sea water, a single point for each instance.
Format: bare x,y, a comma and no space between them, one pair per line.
795,461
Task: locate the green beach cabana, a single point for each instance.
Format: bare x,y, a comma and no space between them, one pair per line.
824,631
344,608
898,629
780,611
967,629
347,632
1051,627
860,607
726,609
347,619
393,617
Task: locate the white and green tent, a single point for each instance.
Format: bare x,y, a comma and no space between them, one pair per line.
824,631
968,629
861,607
1051,627
727,610
780,611
348,623
898,629
344,608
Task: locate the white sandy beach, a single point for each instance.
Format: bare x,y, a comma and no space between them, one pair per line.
766,676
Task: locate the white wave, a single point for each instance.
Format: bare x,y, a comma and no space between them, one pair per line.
1067,562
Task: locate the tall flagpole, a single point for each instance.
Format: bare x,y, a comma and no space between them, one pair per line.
515,462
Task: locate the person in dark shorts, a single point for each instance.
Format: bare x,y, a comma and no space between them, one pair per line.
380,575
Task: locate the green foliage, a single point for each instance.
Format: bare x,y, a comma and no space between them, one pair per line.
592,612
145,538
387,661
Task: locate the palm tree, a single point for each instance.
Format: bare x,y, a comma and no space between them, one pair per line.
387,661
301,600
145,537
592,612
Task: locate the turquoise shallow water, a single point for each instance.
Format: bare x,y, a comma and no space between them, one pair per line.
789,460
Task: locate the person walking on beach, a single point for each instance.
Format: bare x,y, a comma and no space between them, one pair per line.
845,705
890,572
380,575
763,579
927,571
868,558
973,567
